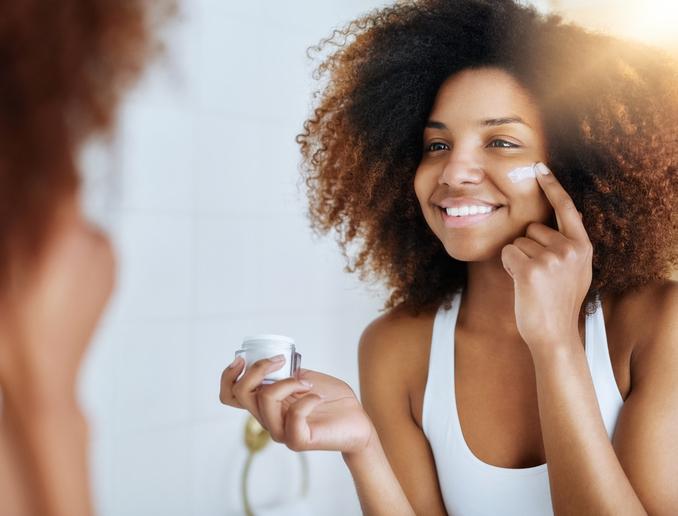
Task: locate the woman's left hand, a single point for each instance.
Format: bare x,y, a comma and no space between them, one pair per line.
551,271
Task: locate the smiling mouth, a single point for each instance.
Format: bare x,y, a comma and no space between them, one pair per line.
466,216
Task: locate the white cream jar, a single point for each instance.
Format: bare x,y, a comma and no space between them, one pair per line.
256,347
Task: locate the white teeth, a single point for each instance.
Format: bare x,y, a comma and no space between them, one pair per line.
468,210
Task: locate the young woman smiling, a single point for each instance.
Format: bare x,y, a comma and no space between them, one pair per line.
526,364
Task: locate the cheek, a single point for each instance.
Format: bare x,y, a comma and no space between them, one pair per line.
422,188
530,204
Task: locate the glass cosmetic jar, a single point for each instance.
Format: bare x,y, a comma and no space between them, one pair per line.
256,347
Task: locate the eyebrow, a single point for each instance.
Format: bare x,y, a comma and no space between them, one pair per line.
490,122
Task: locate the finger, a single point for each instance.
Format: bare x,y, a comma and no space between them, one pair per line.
513,260
544,235
244,389
569,223
528,246
298,435
270,403
228,378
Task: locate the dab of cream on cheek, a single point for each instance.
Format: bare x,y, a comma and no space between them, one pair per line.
522,173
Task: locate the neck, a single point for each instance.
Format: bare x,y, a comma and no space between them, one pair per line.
487,304
488,299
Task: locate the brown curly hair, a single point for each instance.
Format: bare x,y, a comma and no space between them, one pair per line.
63,68
610,110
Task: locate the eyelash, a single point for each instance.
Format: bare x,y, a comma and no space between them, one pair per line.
511,145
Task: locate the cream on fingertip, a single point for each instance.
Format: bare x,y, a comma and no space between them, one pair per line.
542,169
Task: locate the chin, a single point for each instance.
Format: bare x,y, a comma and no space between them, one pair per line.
471,252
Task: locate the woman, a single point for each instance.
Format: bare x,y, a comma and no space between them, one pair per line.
526,363
64,67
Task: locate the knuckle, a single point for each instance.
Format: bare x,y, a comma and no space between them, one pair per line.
237,390
531,275
551,260
294,444
569,252
567,205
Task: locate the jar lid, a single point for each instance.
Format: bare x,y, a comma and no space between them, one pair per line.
267,338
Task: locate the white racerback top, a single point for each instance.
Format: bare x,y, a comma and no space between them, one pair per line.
471,487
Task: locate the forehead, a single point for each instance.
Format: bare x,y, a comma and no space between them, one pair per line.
483,93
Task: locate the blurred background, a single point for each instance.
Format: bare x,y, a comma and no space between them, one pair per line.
199,190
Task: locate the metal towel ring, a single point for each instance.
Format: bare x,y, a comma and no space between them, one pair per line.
256,439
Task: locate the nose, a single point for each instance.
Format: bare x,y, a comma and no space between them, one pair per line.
461,168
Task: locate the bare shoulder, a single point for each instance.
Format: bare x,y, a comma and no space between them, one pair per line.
647,311
399,340
648,317
398,325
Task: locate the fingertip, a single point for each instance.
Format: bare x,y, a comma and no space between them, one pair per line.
236,363
542,169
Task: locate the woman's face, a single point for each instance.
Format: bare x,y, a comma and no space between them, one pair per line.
483,125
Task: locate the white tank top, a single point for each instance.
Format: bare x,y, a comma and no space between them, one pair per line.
471,487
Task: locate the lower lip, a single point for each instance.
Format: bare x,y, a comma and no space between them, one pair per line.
452,221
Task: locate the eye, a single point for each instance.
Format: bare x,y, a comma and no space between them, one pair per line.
498,143
436,146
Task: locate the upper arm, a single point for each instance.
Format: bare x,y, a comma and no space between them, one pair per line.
645,437
385,397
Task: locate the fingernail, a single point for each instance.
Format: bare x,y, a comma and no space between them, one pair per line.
305,383
543,169
233,364
277,358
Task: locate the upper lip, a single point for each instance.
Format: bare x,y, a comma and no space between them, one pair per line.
458,202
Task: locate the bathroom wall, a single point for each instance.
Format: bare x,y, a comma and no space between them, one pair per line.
199,192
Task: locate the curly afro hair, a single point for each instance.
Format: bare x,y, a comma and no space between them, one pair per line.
63,68
610,111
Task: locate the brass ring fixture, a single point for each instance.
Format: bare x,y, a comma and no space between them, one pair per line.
256,439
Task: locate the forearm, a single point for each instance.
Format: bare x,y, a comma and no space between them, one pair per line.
51,442
585,475
377,486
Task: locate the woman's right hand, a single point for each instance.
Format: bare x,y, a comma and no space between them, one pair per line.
324,416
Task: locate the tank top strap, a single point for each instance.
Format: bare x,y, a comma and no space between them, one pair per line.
609,398
438,394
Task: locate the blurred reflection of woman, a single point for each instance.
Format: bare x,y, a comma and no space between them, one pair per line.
526,364
64,66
